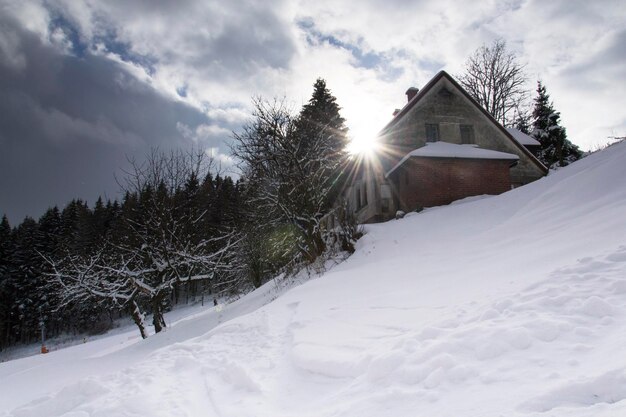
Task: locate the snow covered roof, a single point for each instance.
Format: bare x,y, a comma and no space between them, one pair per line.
522,137
451,150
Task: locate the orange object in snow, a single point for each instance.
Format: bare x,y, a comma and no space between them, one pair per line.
44,349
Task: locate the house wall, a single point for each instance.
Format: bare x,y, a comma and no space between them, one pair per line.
429,182
365,183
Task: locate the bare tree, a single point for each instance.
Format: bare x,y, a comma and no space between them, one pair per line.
169,169
495,79
163,243
123,276
291,175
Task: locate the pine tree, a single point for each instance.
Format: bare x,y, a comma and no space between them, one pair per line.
227,196
323,132
320,120
6,290
5,245
523,123
99,222
205,200
76,227
48,236
26,281
555,147
322,127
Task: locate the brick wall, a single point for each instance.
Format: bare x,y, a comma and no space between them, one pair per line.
428,182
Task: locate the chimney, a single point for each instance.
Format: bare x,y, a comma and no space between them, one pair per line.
395,112
411,92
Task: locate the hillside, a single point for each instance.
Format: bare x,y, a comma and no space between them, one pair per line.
511,305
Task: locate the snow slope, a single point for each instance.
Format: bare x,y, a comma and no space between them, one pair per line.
506,306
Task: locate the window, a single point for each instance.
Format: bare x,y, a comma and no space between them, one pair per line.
361,196
385,191
432,132
385,195
364,194
445,93
467,134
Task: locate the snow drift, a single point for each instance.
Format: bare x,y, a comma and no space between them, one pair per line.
510,305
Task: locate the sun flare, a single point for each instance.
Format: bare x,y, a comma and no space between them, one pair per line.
363,145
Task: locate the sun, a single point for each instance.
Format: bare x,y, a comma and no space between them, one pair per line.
363,145
364,140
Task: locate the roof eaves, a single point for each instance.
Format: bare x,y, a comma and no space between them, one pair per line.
410,155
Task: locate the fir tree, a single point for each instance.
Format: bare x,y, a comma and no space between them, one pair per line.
6,291
76,233
205,200
101,217
48,237
523,123
25,277
320,120
555,148
324,130
5,246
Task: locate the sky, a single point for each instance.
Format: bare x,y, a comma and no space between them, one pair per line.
84,85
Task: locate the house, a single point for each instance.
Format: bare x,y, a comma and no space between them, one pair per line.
440,147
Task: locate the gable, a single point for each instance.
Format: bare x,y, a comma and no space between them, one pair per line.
444,103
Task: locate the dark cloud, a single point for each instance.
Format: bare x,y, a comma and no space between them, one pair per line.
67,123
70,109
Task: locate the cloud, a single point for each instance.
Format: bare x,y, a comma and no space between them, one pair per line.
590,95
203,133
85,82
10,54
67,124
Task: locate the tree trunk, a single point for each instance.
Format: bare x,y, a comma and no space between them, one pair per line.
560,151
316,246
157,313
135,312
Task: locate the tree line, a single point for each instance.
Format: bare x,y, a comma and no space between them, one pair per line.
181,232
66,271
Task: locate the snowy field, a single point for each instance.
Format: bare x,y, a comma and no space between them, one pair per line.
503,306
